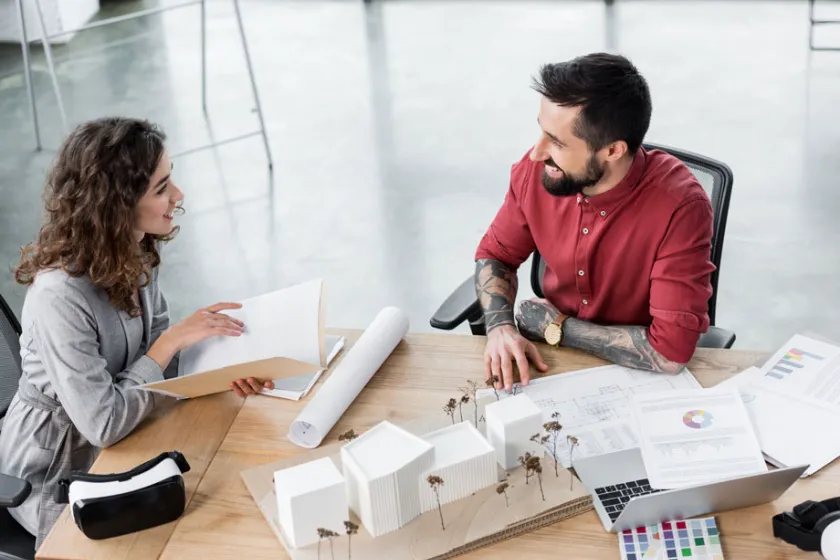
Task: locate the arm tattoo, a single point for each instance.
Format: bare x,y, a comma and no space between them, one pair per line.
495,285
533,316
622,345
625,346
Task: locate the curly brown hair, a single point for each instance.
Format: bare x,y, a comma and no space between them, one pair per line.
102,170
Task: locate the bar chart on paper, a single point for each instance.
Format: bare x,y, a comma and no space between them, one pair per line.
804,367
791,361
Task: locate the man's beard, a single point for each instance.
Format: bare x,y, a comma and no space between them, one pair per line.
570,185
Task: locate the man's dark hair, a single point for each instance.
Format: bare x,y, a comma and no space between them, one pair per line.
612,94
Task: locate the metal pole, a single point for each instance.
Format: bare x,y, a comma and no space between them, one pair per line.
27,74
811,29
204,56
48,54
253,83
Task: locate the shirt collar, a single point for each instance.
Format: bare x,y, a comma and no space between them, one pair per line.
606,202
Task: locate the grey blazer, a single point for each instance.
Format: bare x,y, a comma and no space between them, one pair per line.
80,358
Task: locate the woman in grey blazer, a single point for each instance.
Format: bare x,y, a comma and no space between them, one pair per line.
95,323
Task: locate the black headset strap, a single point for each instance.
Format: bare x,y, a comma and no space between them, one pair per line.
797,527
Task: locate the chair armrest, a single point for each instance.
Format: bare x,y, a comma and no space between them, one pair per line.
716,337
13,491
460,306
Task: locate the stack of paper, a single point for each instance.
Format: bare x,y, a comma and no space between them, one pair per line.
790,401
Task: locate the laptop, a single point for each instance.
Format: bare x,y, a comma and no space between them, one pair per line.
623,498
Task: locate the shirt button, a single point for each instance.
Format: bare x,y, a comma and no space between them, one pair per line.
580,273
585,231
585,302
603,213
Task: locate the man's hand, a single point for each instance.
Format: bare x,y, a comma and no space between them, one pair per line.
504,345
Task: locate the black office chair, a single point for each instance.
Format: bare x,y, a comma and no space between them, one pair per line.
15,542
716,178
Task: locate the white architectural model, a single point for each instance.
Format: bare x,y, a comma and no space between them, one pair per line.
463,459
310,496
382,468
510,424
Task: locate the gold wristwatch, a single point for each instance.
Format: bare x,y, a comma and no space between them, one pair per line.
554,330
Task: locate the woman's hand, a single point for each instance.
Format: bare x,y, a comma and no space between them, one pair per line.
250,386
204,323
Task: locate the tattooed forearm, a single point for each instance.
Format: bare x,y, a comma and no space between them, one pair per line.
495,285
532,318
625,346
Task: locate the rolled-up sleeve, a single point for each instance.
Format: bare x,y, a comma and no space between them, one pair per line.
680,282
160,322
103,408
508,239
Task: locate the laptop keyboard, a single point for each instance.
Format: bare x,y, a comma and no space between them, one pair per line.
614,498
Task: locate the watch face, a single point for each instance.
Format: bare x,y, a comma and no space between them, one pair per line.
552,334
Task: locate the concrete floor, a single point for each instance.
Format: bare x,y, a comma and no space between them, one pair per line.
393,128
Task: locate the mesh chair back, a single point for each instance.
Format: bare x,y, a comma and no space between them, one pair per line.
9,355
716,179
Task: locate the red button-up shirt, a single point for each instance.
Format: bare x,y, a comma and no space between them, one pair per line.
638,254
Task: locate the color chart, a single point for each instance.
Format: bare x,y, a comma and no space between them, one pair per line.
790,362
694,539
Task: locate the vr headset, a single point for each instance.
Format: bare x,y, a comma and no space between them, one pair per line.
110,505
811,526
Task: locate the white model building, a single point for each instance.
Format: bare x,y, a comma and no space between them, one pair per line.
382,467
463,459
310,496
510,424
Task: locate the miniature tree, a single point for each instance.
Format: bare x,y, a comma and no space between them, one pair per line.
436,482
502,489
449,409
573,442
352,529
553,428
321,534
534,465
348,436
471,389
331,536
491,382
464,400
523,460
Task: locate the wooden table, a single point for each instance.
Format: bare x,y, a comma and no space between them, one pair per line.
221,435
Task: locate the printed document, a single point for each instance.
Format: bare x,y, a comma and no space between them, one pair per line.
593,405
693,437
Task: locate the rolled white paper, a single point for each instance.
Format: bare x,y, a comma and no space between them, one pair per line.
349,378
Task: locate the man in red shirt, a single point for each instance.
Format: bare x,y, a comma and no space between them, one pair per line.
625,233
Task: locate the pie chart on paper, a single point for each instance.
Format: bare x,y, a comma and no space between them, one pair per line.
698,419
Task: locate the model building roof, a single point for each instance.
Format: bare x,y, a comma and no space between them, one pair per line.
384,449
457,443
512,409
302,479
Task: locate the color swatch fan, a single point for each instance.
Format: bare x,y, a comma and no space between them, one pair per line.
692,539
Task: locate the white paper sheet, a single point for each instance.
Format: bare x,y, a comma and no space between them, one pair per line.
697,436
284,323
295,388
806,368
349,378
787,426
594,405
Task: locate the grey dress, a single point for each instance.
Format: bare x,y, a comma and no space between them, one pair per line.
80,358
